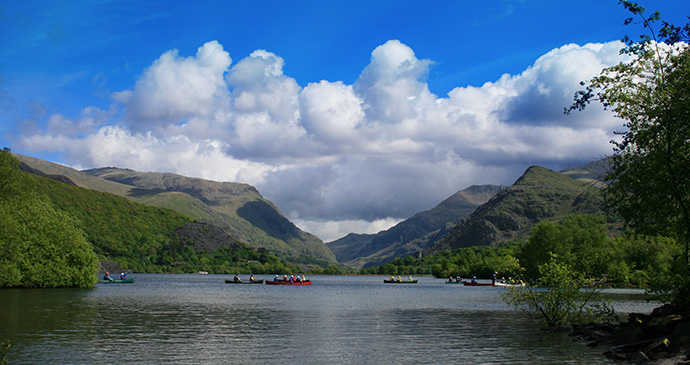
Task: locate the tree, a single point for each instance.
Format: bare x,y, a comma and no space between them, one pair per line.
40,246
577,241
650,169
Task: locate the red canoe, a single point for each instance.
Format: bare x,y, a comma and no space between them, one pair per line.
284,282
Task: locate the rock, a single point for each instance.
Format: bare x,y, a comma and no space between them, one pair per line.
664,310
664,324
109,266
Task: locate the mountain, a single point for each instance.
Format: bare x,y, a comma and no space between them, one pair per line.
412,235
592,173
239,209
539,194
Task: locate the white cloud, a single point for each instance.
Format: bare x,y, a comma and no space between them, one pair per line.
176,88
336,157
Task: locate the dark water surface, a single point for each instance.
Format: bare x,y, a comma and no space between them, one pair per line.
200,319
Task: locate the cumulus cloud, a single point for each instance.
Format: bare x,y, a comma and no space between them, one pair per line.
335,157
175,88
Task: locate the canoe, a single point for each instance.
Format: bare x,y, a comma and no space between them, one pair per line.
227,281
118,281
285,282
469,283
400,282
509,285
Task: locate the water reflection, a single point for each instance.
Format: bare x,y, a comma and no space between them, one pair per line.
187,318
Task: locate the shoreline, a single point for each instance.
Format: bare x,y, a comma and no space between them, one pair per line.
662,337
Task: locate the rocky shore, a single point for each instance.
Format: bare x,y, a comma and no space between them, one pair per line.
663,337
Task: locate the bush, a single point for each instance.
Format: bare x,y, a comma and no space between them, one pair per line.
557,296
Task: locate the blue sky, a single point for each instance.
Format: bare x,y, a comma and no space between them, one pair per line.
338,111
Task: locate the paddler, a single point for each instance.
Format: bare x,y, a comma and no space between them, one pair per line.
107,277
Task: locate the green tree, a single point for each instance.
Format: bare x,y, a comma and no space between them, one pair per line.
650,169
40,246
578,241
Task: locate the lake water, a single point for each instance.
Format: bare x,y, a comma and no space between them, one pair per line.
168,318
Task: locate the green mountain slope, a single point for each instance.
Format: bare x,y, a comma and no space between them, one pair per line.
539,194
239,209
145,238
411,235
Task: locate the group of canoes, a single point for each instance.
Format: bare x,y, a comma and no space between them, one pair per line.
494,282
292,280
297,280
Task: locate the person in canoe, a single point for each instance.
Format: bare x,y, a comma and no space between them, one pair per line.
276,278
107,277
458,279
450,279
122,275
251,278
399,278
410,278
237,279
474,279
493,278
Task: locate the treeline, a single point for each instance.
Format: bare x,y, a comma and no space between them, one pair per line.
581,242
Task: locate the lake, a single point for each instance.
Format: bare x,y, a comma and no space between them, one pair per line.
186,318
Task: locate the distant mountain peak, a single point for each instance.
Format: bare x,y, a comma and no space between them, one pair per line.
539,194
414,234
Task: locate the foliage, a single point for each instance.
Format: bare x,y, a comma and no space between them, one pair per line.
481,261
556,296
582,243
40,246
577,241
650,170
675,287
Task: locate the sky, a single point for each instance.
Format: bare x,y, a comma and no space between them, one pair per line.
350,116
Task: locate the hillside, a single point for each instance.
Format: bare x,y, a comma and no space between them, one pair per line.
411,235
239,209
592,173
539,194
145,238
